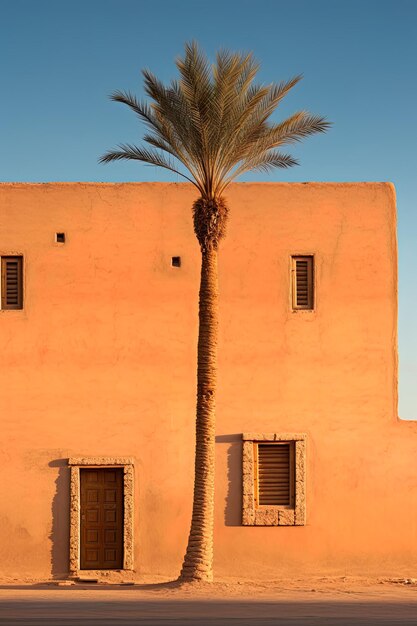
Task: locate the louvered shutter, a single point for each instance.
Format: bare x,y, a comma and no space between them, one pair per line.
11,282
274,474
303,283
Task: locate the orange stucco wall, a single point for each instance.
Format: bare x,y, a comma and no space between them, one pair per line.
101,362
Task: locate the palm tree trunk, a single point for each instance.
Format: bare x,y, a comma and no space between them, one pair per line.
198,560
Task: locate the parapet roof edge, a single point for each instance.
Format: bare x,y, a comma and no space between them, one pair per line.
164,183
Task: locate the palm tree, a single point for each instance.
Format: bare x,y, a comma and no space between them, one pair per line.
211,126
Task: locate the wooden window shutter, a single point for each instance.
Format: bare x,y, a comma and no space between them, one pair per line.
302,282
11,282
275,474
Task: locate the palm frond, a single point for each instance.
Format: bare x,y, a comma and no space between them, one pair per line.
261,137
213,121
142,109
171,108
150,157
263,162
249,125
298,127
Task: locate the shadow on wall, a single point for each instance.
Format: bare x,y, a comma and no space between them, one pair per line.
233,509
60,520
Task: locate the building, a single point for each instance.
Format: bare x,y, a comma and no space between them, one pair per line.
98,333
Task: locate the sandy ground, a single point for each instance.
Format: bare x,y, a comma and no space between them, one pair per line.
316,602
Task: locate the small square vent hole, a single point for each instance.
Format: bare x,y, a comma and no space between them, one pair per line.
60,237
176,261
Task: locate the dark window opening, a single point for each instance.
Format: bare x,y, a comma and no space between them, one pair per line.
275,474
302,282
12,282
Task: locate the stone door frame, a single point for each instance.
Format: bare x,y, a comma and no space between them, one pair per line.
77,463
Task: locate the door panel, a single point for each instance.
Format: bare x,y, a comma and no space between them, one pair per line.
101,518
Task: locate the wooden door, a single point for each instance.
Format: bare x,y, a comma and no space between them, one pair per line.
101,518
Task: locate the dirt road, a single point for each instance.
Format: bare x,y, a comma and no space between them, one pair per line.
159,606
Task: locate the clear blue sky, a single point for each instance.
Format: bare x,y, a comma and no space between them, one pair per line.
59,59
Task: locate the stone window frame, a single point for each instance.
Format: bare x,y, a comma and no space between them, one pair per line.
77,463
253,515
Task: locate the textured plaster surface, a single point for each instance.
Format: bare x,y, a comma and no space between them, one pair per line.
102,362
273,516
77,463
